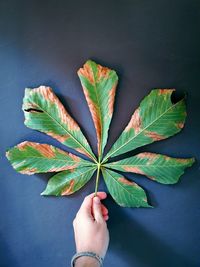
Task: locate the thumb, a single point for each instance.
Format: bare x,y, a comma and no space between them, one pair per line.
97,211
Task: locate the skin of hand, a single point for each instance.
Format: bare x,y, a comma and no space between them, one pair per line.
90,228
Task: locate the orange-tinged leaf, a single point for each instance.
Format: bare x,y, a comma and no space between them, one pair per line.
99,86
44,112
160,168
30,157
67,182
156,118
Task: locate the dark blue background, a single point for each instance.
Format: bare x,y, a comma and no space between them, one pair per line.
151,44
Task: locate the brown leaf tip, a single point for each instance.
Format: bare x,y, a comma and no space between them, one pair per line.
87,72
23,145
165,91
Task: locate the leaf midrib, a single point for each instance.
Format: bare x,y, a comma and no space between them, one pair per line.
150,166
100,141
46,158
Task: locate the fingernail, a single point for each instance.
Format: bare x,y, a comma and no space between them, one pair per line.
97,200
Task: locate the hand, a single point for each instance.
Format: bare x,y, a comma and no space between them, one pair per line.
90,228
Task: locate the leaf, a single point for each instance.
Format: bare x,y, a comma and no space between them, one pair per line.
157,118
30,157
68,182
123,191
160,168
44,112
99,86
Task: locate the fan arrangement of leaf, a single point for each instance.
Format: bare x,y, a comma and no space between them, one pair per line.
155,119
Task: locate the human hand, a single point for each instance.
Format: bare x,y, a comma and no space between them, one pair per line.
90,227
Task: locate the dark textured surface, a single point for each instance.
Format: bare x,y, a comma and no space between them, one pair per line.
151,44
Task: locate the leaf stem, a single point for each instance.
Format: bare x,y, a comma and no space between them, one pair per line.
97,178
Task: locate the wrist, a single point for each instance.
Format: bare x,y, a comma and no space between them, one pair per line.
86,261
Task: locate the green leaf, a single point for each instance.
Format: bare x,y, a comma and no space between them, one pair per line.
99,86
123,191
160,168
44,112
30,157
157,118
68,182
